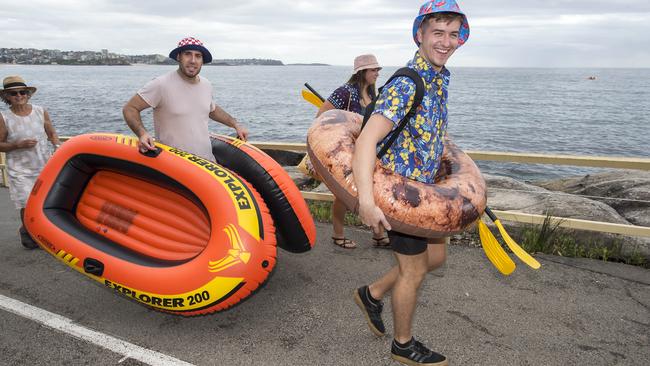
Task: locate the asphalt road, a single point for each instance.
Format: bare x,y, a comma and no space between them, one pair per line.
569,312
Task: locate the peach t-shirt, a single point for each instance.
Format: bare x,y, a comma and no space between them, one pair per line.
180,112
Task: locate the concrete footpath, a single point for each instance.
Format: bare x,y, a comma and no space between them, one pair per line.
569,312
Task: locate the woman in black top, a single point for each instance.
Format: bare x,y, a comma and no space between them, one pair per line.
354,96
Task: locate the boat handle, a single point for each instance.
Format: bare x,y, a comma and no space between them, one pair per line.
151,153
93,266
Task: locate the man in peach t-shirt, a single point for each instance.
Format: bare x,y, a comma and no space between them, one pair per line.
182,105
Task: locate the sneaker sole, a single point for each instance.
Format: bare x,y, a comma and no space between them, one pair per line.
406,361
361,306
27,241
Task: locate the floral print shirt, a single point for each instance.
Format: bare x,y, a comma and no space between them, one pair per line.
417,152
347,97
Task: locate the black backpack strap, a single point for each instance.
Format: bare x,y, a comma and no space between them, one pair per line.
417,100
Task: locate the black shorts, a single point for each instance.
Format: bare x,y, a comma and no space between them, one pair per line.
407,244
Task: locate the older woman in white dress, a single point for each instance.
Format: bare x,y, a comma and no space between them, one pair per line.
24,133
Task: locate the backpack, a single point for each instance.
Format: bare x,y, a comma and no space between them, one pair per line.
417,100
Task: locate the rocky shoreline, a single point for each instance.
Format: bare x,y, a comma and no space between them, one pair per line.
617,196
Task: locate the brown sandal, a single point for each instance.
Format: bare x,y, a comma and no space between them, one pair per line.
383,242
344,243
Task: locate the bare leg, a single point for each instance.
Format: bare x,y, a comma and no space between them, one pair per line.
338,215
411,272
436,255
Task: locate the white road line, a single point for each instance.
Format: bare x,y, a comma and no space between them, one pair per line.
66,325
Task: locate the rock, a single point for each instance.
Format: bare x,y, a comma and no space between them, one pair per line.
511,195
627,191
285,158
322,188
301,180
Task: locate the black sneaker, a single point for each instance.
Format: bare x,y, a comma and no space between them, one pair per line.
416,354
26,240
370,310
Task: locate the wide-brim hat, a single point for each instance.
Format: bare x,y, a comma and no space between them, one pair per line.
440,6
15,82
191,43
363,62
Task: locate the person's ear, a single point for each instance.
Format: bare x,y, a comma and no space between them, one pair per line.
419,34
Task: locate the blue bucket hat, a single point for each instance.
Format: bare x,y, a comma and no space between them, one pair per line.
191,43
439,6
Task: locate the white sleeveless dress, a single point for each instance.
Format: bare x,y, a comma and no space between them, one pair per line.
24,165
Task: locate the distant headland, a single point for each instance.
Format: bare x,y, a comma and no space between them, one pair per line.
311,64
32,56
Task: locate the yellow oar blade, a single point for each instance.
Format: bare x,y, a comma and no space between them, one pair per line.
493,250
519,251
311,98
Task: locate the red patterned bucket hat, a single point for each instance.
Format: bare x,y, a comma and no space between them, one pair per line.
440,6
191,43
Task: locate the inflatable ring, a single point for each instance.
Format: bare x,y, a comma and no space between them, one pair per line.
294,226
456,200
167,229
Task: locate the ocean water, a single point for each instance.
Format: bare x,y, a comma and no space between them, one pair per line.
555,111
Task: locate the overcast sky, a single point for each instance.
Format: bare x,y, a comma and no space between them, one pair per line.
504,33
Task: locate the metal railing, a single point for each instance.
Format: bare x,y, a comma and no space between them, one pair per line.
3,169
574,160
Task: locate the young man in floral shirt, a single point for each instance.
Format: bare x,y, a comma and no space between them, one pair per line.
438,30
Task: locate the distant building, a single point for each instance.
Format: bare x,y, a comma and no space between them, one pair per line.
31,56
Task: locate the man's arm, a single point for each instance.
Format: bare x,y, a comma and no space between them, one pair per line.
131,113
363,165
221,116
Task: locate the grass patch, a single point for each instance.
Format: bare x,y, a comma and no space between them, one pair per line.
322,211
550,238
541,238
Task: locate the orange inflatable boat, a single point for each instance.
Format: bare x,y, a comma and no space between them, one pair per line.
168,229
295,229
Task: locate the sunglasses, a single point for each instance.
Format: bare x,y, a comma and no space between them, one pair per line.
21,92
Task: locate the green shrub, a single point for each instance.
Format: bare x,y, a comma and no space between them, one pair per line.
550,238
541,238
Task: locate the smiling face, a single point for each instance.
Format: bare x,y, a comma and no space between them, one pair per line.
189,63
438,40
16,97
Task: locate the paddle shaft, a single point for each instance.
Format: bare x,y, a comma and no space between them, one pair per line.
315,92
490,214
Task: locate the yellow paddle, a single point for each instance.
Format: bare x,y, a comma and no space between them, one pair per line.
312,98
493,250
519,251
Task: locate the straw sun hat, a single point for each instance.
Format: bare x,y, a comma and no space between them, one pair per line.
15,82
